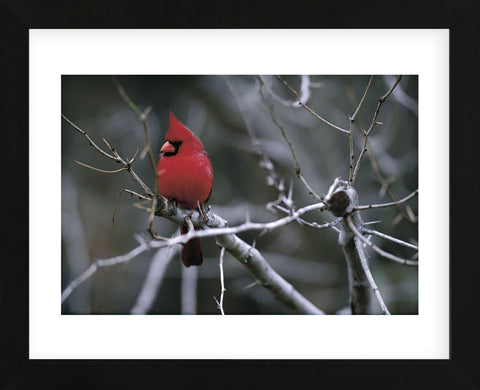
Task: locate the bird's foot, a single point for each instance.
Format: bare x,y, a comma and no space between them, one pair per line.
202,212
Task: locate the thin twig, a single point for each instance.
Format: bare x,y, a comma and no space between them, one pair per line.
376,206
298,170
386,186
153,280
102,263
368,273
381,252
303,97
385,183
265,161
146,150
115,157
222,282
98,169
381,100
308,108
84,133
390,238
143,118
350,134
354,116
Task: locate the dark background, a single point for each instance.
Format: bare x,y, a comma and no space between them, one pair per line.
309,259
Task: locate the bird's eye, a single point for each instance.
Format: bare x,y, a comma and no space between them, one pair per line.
176,144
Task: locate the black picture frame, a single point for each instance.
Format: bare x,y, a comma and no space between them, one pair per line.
460,371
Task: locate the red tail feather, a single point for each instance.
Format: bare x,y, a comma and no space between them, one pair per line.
192,250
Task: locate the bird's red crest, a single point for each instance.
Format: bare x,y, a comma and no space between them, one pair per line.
177,131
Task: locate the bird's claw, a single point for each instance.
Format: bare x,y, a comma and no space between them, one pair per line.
202,212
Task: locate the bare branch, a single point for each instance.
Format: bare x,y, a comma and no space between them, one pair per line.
381,100
386,187
354,116
303,97
358,286
350,134
259,268
103,263
384,97
381,252
84,133
390,238
384,182
146,150
376,206
214,231
98,169
116,157
308,108
368,273
222,282
153,280
265,161
143,118
287,140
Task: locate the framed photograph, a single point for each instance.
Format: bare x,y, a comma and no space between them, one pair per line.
324,161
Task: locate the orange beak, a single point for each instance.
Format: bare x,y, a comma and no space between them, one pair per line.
167,147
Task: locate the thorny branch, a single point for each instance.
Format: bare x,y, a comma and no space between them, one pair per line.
298,171
309,109
350,134
381,252
374,123
104,263
147,149
389,238
302,97
246,254
405,211
127,165
368,273
222,282
376,206
265,161
143,118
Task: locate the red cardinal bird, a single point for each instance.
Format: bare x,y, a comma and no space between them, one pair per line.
185,175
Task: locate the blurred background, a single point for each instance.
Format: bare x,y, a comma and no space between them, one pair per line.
216,108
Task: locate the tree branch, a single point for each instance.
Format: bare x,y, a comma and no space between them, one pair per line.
103,263
115,157
381,252
368,274
298,170
390,238
361,283
153,280
377,206
381,100
308,108
350,134
222,283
